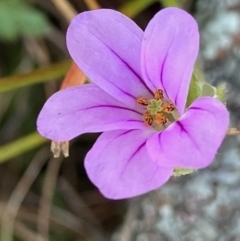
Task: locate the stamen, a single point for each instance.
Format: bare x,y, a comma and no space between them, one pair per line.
160,119
142,101
168,107
160,112
148,119
58,147
158,94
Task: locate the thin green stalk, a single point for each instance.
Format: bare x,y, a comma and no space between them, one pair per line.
171,3
36,76
20,146
134,7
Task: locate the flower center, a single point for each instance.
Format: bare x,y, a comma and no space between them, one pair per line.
160,112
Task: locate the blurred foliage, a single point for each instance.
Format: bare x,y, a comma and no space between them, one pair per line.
18,18
11,57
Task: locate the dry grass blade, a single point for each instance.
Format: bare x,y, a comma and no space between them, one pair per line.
45,201
18,195
65,8
59,218
84,229
126,232
233,131
77,204
26,234
69,12
92,4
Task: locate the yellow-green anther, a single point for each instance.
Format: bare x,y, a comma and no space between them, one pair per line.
154,106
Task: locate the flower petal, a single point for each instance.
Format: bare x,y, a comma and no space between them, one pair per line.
169,50
106,45
119,165
193,140
73,111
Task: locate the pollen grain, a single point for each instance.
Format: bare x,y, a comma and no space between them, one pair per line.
160,119
158,94
168,107
142,101
148,119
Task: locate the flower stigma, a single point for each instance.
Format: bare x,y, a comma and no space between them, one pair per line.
160,112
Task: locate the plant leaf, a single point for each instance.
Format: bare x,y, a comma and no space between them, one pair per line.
208,90
221,93
17,18
195,88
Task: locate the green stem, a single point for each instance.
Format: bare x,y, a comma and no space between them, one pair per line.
36,76
20,146
170,3
134,7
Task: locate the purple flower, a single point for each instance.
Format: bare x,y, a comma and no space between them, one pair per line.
138,97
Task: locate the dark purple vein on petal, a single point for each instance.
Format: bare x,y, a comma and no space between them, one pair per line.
112,106
201,109
188,134
128,66
121,134
133,71
126,93
132,156
162,70
105,147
